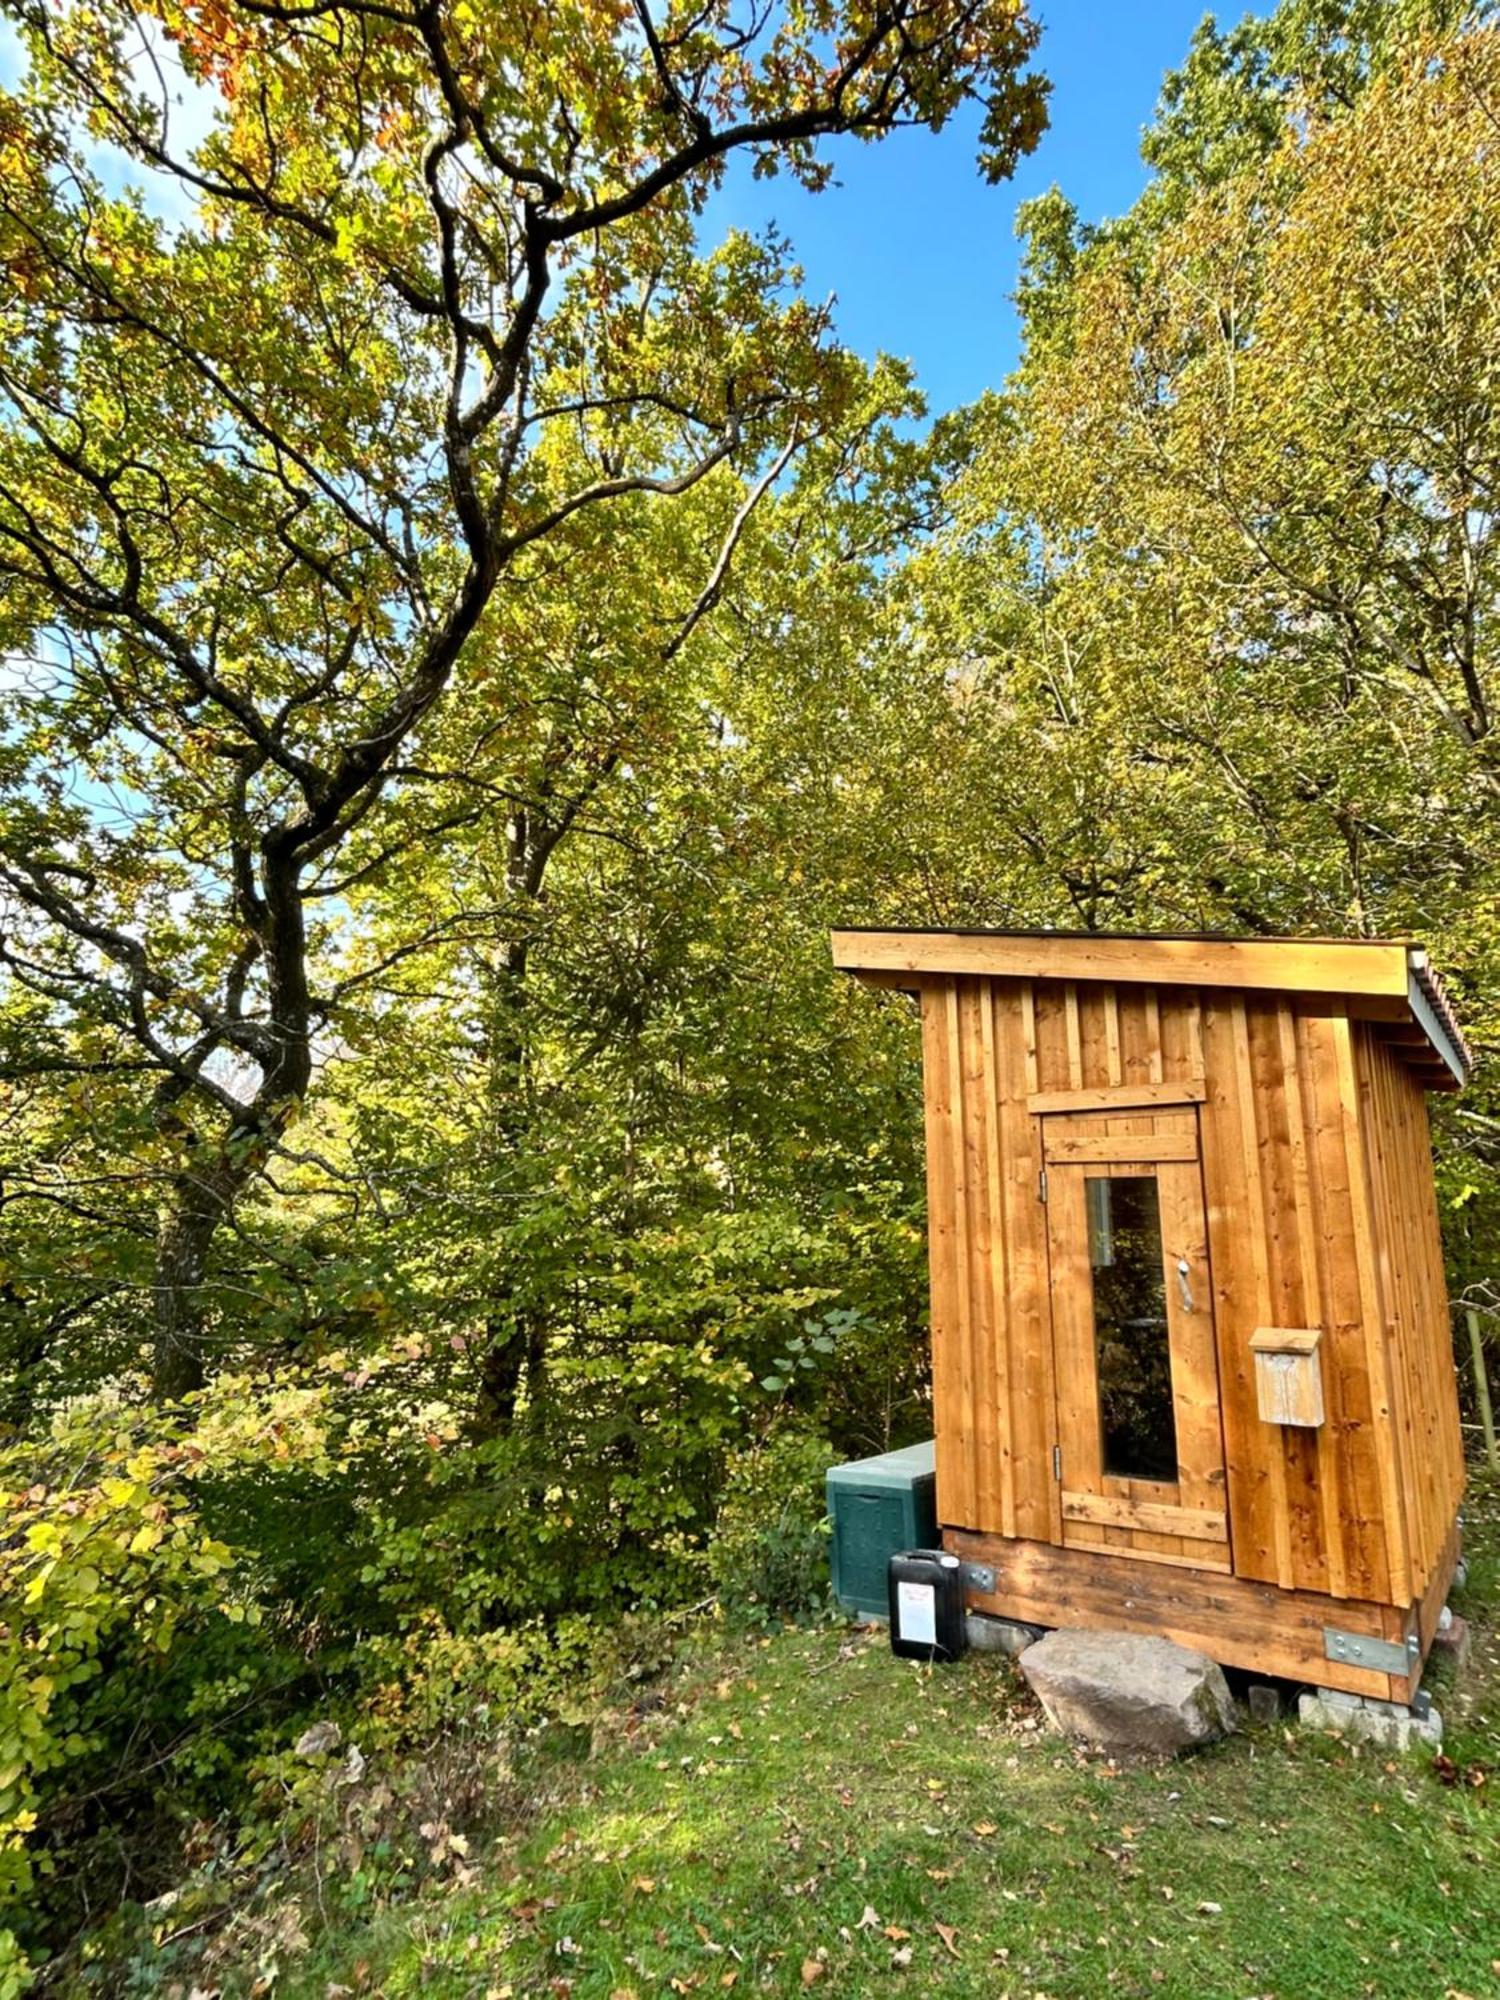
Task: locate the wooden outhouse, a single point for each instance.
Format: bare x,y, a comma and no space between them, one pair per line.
1192,1364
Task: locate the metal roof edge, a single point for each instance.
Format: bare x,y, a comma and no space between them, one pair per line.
1433,1012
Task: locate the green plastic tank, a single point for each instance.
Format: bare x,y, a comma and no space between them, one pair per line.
878,1507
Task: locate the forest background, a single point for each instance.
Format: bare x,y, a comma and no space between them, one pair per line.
467,637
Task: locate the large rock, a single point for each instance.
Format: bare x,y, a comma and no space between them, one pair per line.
1125,1691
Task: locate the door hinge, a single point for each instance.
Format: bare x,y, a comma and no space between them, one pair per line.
1041,1185
1057,1461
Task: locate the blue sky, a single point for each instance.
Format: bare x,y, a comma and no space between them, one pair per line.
920,252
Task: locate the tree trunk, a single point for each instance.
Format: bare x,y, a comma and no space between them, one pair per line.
507,1352
513,1341
200,1201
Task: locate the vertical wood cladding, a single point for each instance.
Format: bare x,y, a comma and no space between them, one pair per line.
1320,1213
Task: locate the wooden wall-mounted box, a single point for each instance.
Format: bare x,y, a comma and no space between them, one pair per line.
1288,1374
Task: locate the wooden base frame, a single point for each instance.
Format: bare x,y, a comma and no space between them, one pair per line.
1238,1622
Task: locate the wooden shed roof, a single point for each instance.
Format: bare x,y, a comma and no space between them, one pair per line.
1387,979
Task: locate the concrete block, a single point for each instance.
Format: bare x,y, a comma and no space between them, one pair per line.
1000,1635
1339,1698
1383,1723
1263,1701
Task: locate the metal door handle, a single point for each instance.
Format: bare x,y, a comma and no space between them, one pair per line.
1182,1279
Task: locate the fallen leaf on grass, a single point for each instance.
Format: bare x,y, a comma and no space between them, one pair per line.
984,1828
644,1885
902,1958
812,1971
947,1933
895,1933
869,1921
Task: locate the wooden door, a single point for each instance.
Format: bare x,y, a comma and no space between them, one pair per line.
1140,1445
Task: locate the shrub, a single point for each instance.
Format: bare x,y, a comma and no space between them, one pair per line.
106,1575
769,1555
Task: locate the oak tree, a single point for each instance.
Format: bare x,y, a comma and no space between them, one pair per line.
331,328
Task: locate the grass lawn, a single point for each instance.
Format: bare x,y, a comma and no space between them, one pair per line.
807,1813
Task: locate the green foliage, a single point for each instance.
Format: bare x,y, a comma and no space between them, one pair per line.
417,1027
768,1558
115,1603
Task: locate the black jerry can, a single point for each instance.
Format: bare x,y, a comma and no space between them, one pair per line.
926,1589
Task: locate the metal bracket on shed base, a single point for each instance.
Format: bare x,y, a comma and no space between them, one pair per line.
1381,1656
979,1576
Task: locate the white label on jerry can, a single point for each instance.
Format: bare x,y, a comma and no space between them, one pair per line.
916,1608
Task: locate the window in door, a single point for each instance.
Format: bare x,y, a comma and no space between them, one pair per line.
1138,1432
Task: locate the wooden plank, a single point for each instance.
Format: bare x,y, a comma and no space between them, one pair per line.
1050,1014
1237,1261
1234,1619
914,983
1028,1036
1113,1052
1075,1363
1075,1036
975,1246
1262,1114
1311,1488
1155,1053
1106,1511
1393,1118
1115,1096
1032,1397
1181,1015
1070,1147
1399,1277
1425,1332
1195,1373
1283,965
946,1276
1096,1069
996,1359
1285,1340
1367,1268
1350,1426
1210,1556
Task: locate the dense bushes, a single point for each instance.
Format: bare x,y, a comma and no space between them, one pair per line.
184,1592
126,1639
769,1555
